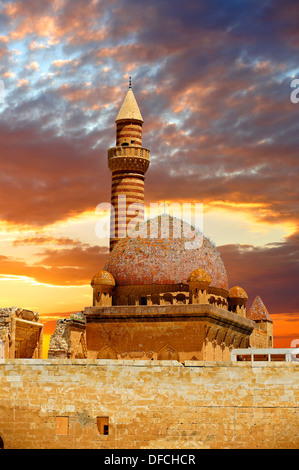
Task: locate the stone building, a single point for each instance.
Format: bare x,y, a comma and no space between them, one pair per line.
21,334
165,300
163,292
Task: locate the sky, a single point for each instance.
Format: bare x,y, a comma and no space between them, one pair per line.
213,82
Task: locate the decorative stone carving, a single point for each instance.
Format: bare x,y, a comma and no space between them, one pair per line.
168,353
136,354
81,345
25,314
129,163
107,353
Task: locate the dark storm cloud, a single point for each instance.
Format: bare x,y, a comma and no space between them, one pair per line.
271,271
212,80
48,178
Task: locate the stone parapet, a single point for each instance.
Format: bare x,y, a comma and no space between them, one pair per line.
128,158
171,311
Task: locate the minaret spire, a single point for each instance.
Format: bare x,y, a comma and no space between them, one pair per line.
130,82
129,109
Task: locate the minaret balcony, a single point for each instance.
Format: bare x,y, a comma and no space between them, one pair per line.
128,158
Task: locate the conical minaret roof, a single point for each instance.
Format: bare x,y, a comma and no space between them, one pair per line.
129,108
258,310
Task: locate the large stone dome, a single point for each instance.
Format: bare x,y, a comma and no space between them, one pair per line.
155,254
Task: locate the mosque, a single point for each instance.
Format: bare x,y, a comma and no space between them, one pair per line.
158,297
159,360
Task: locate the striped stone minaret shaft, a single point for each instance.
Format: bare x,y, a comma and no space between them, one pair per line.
128,162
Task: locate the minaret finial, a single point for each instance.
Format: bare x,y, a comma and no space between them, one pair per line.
130,82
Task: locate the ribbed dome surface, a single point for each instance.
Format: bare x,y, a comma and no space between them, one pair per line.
156,255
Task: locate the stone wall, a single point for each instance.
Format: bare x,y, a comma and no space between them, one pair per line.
189,332
259,339
21,333
148,404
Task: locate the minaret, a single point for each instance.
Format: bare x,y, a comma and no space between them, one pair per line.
128,162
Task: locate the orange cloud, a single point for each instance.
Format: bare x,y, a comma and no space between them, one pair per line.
33,66
75,20
9,74
22,82
68,267
95,97
45,240
4,39
35,45
61,63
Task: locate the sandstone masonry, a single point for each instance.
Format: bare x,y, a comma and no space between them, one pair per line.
79,403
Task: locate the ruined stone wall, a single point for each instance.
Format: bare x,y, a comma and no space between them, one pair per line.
259,339
148,404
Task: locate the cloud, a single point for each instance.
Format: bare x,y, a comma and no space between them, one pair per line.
270,271
76,20
33,66
9,74
4,39
35,45
60,62
22,82
214,97
45,240
58,179
3,52
63,267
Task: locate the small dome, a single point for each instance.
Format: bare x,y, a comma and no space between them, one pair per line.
103,278
237,293
199,275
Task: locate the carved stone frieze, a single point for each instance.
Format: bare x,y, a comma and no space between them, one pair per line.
128,163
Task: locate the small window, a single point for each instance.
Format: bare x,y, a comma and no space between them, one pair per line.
62,425
103,425
125,144
143,301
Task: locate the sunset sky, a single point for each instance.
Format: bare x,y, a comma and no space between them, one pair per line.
213,83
